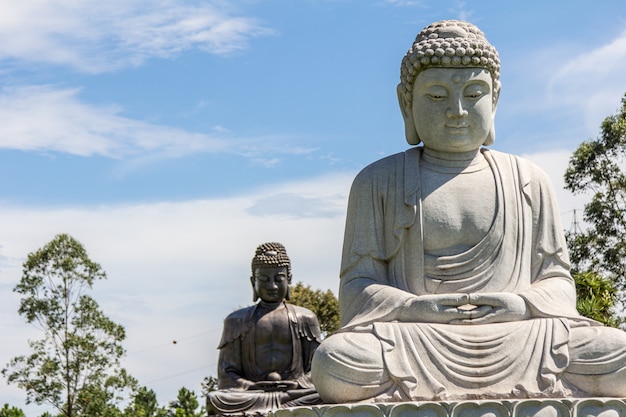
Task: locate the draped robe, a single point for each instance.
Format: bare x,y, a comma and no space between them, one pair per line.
524,252
238,368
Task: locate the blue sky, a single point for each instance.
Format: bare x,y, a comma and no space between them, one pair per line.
171,138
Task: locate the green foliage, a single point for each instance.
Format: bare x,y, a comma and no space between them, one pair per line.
209,384
186,405
7,411
323,303
596,167
596,298
144,404
75,366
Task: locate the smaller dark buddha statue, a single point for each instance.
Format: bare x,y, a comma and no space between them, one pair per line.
266,349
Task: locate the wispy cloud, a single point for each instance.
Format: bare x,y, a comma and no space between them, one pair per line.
175,269
41,118
96,36
460,10
47,119
592,82
405,3
308,202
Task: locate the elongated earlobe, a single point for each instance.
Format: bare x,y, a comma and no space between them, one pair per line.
410,132
255,295
491,137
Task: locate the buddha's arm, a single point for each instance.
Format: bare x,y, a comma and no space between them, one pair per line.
552,297
310,338
364,302
230,369
552,292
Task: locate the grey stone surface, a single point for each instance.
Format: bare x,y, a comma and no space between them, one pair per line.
455,281
587,407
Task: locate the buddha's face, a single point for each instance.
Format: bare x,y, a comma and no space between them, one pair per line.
271,283
453,108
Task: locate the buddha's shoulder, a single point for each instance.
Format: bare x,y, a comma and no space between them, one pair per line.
384,167
528,170
302,312
241,314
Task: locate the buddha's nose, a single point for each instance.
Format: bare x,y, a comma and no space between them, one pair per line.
456,109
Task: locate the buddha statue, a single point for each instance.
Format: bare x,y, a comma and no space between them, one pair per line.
455,280
266,349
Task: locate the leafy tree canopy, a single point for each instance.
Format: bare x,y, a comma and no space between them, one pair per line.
8,411
186,405
323,303
598,254
596,167
75,366
595,298
144,404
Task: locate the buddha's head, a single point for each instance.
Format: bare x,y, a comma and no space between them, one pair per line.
271,273
447,45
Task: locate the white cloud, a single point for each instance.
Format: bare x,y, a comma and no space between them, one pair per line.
592,82
405,3
175,270
42,118
96,36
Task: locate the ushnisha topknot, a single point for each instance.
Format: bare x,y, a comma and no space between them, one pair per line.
271,254
449,43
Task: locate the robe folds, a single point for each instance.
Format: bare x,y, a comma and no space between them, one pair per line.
524,252
238,367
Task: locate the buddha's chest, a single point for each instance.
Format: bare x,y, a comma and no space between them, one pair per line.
273,327
273,344
457,210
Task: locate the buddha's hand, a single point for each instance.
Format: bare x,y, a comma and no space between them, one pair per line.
439,308
284,385
497,307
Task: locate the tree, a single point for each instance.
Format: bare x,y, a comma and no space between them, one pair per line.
75,367
596,167
209,384
145,404
595,298
186,405
323,303
7,411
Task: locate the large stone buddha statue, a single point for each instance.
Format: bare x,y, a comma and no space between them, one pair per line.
455,280
266,349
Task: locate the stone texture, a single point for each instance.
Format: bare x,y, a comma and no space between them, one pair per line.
588,407
455,278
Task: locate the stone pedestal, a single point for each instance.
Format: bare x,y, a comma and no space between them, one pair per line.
579,407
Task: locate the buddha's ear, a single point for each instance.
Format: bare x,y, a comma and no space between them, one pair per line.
255,295
491,137
496,99
410,132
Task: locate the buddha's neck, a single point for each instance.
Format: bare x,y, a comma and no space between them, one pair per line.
269,306
456,162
